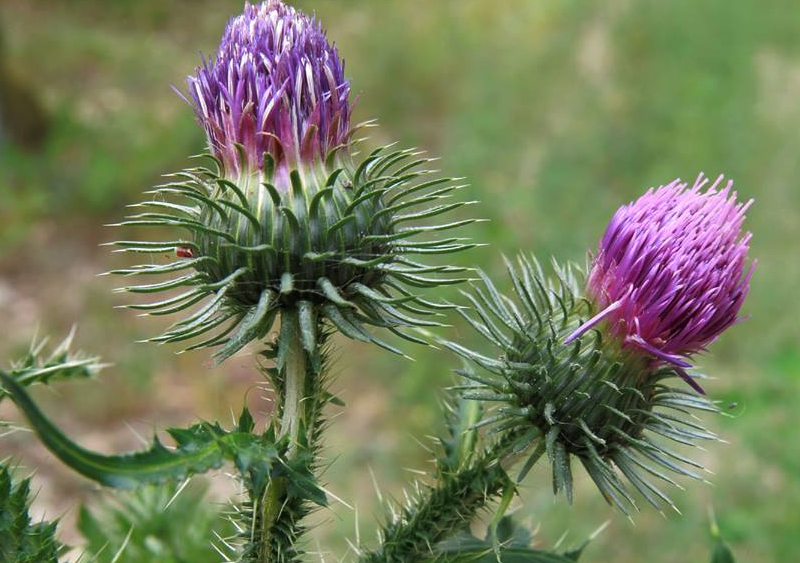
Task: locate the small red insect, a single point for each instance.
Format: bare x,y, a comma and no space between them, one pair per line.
184,252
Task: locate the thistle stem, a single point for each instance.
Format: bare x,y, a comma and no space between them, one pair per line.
295,382
454,502
280,514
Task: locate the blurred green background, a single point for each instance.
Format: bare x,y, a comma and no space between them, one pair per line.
557,112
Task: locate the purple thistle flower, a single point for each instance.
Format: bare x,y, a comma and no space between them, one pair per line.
276,87
670,274
288,224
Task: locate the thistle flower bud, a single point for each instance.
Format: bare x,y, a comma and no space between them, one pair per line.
670,273
590,399
289,220
276,87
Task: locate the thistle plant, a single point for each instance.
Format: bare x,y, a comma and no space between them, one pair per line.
291,224
670,275
286,221
285,235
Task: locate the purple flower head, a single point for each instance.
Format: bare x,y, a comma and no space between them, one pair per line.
276,86
670,274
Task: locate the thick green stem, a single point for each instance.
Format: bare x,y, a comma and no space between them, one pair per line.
279,513
295,384
454,502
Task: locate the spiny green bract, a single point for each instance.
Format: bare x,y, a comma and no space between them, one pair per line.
21,540
333,238
587,400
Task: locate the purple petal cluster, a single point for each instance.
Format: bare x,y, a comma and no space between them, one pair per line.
671,271
276,86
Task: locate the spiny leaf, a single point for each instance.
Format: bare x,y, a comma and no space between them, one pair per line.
199,448
21,540
199,451
468,549
36,367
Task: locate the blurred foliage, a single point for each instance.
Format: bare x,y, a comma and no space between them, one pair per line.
22,117
155,524
556,111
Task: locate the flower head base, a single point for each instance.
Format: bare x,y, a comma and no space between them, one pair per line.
588,400
286,221
670,274
276,87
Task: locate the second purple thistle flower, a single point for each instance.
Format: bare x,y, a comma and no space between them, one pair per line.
671,273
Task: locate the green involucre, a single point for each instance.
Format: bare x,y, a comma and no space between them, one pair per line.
588,400
334,237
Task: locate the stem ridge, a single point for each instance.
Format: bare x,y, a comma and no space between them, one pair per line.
279,508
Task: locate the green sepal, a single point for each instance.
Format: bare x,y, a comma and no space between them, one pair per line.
317,239
307,325
587,400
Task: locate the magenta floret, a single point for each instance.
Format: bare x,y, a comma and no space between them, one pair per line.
671,271
276,86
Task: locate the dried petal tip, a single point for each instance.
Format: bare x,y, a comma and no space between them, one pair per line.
671,271
276,87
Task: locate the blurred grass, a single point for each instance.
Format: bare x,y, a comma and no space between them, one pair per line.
556,112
